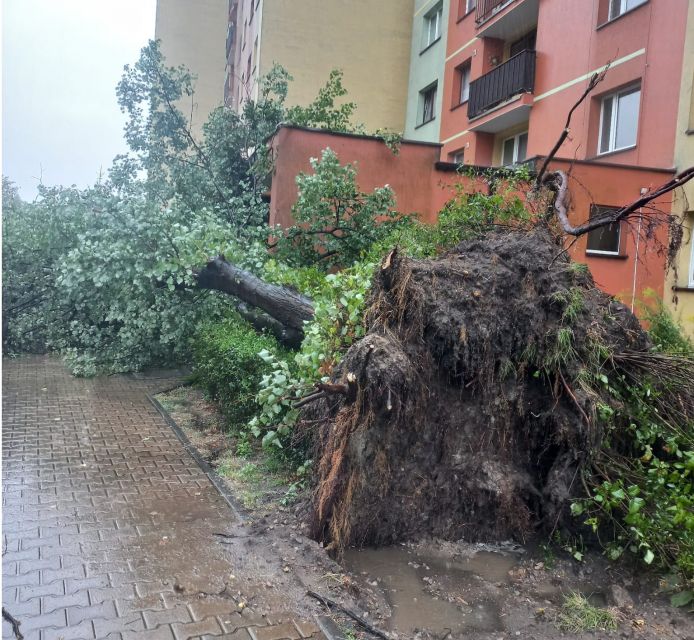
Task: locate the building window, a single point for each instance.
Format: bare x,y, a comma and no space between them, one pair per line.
464,80
464,7
458,157
514,149
604,240
619,116
691,259
618,7
427,104
432,26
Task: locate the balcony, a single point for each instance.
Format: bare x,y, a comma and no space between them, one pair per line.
487,8
515,76
505,19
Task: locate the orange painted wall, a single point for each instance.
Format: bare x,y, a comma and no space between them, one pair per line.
423,186
571,42
618,186
419,188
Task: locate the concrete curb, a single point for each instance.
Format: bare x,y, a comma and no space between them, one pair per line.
216,481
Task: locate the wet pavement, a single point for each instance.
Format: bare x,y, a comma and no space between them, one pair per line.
108,522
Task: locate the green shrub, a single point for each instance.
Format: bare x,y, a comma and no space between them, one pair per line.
666,334
227,366
642,494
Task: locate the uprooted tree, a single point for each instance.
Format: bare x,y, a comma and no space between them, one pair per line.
477,385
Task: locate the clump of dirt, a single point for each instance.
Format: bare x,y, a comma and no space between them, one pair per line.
474,411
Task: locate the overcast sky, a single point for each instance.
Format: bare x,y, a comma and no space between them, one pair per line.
61,61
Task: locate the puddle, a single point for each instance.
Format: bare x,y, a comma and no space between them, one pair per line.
433,593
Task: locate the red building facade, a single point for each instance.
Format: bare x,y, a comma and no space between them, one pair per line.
514,69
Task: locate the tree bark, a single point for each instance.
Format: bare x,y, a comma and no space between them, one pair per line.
287,307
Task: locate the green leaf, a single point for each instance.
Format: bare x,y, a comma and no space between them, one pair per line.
682,599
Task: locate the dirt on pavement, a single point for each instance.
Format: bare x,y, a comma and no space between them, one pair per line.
430,589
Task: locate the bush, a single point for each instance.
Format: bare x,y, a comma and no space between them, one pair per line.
642,497
227,366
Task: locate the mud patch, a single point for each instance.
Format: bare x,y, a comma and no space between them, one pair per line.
426,591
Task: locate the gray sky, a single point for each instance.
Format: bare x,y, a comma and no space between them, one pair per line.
61,61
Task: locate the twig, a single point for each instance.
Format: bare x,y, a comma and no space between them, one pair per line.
573,397
324,389
559,182
327,602
316,395
14,622
595,80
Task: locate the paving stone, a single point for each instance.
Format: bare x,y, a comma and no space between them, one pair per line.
167,616
212,607
82,631
105,511
285,631
160,633
306,628
105,610
131,623
184,631
78,599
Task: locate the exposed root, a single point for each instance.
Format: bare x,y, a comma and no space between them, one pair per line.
474,410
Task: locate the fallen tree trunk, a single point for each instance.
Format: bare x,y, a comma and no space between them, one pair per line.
287,310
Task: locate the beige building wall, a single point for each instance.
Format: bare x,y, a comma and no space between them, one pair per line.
193,33
680,285
368,39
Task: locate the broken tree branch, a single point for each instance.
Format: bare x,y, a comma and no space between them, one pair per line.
594,81
331,604
558,182
324,389
285,305
14,622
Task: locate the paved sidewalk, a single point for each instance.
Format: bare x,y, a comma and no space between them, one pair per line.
107,521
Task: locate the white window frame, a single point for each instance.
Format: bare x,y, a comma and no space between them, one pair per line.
459,156
422,118
622,6
599,252
611,148
691,258
516,145
435,17
465,71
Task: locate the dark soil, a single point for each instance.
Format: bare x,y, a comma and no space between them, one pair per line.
478,591
472,418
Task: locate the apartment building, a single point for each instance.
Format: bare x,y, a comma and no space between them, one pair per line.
513,70
368,39
192,34
679,290
427,66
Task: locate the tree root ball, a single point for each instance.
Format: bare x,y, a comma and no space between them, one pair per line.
474,412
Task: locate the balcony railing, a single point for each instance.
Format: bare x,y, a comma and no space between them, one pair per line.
487,8
516,75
